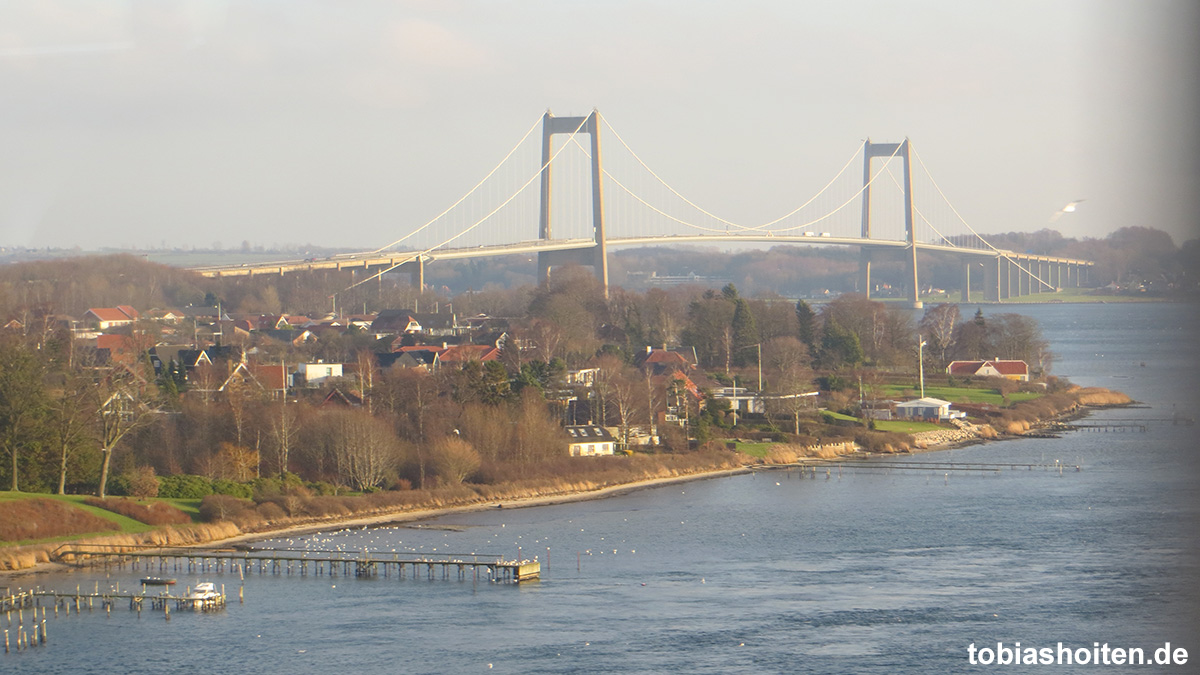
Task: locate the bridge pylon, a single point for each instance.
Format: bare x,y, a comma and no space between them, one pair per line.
887,150
597,256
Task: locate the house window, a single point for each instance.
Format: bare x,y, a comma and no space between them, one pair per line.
591,449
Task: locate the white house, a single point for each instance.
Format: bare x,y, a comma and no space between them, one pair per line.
927,409
589,440
740,399
314,374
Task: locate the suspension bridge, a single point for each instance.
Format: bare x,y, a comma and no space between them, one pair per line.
568,206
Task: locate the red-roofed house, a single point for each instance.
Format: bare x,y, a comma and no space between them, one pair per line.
663,361
1008,369
460,354
121,348
272,378
108,317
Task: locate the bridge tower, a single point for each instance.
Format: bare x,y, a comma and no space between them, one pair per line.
885,150
596,256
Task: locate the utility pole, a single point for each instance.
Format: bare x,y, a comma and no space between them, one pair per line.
921,364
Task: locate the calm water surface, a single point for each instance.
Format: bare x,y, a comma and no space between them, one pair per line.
866,572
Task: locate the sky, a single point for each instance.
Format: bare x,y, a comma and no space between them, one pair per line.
344,123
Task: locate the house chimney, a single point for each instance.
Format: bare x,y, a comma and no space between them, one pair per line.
649,349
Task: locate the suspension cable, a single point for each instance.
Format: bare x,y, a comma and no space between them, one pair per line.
1002,253
758,228
464,197
479,222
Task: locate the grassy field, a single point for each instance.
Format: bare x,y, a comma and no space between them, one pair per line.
753,449
124,525
960,394
188,506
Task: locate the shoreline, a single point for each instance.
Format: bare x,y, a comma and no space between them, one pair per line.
411,516
420,514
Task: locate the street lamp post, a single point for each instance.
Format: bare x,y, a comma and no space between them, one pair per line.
921,365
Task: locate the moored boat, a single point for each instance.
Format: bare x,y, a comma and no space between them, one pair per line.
157,581
205,590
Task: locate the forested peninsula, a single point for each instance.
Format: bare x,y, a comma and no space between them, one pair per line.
146,405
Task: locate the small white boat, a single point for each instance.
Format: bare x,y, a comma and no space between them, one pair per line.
204,591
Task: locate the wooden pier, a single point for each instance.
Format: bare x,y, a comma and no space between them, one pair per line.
885,464
28,603
302,562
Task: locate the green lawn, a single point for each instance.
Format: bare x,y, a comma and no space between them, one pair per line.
188,506
753,449
959,394
903,426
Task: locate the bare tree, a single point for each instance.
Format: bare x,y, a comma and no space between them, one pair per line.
70,420
365,374
787,361
365,450
121,402
455,459
938,324
283,430
624,395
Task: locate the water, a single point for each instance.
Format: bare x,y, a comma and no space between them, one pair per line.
867,572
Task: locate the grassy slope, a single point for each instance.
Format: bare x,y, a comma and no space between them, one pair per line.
126,525
904,426
961,394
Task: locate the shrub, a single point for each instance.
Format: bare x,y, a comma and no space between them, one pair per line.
24,519
223,507
154,513
143,484
184,486
270,511
221,486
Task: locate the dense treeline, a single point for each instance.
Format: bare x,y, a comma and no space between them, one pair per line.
71,421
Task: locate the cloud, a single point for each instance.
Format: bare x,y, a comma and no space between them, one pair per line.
424,43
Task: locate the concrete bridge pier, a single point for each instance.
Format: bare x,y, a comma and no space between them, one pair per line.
864,271
966,281
991,279
416,270
588,257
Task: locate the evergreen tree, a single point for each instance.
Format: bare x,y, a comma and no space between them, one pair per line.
807,319
745,333
23,405
840,346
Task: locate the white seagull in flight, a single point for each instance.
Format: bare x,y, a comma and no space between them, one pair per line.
1069,208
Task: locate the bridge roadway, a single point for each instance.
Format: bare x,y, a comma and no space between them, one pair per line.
1003,277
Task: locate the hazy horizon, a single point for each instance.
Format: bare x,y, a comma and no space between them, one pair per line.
186,123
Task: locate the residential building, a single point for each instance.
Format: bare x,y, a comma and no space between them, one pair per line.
104,318
930,409
1009,369
313,375
589,440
